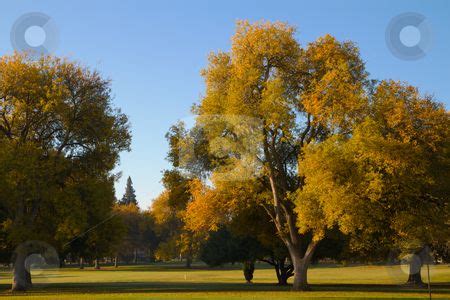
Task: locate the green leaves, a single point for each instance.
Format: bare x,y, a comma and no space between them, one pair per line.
60,138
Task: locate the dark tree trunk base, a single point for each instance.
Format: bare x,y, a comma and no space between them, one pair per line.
415,277
305,288
249,269
415,280
188,263
283,278
282,283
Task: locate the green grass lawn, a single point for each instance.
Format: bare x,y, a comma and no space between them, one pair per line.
174,282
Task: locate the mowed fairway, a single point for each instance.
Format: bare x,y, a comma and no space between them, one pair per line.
175,282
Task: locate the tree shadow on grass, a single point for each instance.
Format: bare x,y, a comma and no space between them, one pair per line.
192,287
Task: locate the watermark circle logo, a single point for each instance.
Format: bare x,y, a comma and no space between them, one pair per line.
235,140
409,36
401,265
35,33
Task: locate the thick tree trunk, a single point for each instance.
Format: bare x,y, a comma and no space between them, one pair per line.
21,276
301,265
116,265
300,274
415,277
81,263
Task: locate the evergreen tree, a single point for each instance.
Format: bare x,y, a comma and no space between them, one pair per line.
130,196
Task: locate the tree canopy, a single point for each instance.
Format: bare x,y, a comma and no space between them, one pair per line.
60,139
309,137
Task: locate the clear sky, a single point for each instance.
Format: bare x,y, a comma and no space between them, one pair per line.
154,50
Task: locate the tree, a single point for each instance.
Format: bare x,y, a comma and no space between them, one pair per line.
422,125
168,209
264,102
59,133
130,196
103,229
389,179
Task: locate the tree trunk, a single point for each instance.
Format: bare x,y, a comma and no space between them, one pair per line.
135,257
115,262
96,264
249,269
415,277
282,278
300,274
189,252
81,263
188,262
301,266
284,217
28,278
21,276
283,272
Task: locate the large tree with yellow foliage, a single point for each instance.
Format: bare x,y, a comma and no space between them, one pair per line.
390,178
266,100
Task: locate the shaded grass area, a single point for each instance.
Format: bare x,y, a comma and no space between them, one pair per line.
174,282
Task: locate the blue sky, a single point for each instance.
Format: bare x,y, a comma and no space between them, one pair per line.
154,50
